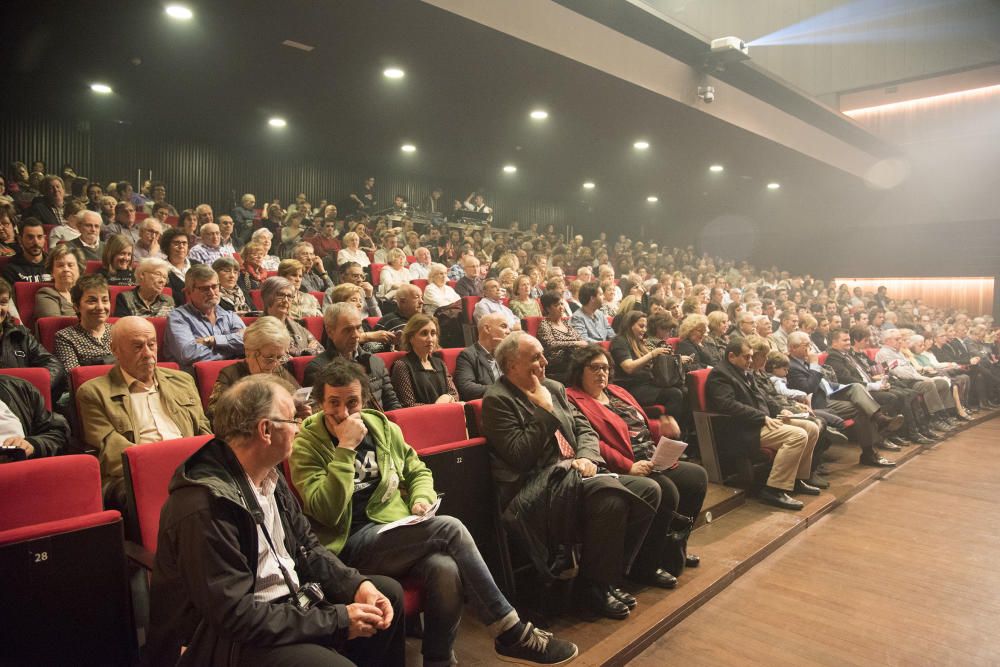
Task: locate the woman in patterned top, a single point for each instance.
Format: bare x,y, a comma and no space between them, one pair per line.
89,341
558,339
278,294
232,297
116,260
421,378
147,299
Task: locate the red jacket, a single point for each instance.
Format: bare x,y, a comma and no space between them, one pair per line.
616,445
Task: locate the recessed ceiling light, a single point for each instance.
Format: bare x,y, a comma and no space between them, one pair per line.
179,12
773,186
589,185
102,88
716,168
393,73
641,145
652,199
277,122
509,169
408,148
539,114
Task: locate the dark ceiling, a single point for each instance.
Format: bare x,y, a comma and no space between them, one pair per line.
464,103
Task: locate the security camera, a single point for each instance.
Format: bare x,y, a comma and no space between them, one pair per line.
707,94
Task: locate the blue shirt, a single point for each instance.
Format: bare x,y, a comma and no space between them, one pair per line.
592,328
185,324
488,307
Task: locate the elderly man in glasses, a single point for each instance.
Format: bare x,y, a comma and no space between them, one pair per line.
201,330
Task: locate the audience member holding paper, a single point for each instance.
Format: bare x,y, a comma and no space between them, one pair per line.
628,448
351,466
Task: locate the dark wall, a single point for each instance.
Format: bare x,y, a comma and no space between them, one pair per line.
198,172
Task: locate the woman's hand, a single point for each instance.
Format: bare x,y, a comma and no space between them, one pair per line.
641,468
445,398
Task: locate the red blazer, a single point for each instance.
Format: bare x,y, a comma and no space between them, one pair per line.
616,445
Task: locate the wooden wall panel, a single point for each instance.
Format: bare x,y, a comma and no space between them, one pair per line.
974,295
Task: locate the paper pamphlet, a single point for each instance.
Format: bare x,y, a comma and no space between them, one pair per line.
413,519
667,453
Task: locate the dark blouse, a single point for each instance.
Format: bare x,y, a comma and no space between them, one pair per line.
230,375
638,430
415,385
701,358
126,277
622,351
558,346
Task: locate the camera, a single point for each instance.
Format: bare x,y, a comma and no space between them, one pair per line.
707,94
308,595
10,454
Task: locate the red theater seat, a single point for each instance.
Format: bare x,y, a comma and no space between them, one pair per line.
531,324
24,297
389,358
421,283
205,375
450,357
469,306
93,266
299,367
371,322
376,270
258,301
314,323
319,296
39,377
47,328
822,358
448,420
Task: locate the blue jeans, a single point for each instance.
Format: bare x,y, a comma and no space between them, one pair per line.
442,553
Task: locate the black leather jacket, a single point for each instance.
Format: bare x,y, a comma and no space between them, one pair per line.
20,349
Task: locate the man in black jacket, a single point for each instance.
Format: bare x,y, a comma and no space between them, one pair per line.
343,328
49,207
731,389
475,368
846,356
20,349
26,424
28,263
236,557
409,301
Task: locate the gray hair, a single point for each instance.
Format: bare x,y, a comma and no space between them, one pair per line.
334,311
915,339
798,338
150,223
270,287
261,233
198,273
301,245
88,213
225,263
152,264
508,349
265,330
244,405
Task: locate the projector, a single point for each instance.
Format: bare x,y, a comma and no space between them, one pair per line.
725,50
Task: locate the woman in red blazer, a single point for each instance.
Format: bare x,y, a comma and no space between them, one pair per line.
628,442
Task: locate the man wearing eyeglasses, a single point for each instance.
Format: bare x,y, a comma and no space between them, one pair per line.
136,403
150,231
201,330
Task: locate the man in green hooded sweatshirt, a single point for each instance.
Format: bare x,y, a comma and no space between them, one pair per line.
350,466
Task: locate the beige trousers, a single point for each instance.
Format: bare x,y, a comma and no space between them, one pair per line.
792,444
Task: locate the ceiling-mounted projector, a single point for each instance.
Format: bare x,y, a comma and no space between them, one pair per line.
725,50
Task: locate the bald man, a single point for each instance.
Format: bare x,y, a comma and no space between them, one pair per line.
136,403
210,248
475,368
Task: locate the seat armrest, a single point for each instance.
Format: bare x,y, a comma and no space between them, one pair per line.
139,555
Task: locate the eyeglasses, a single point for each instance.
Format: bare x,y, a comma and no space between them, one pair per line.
599,368
296,421
271,359
208,289
284,296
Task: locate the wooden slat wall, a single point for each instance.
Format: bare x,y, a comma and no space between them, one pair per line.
201,173
972,294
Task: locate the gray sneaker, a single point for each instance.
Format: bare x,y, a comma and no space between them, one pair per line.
536,647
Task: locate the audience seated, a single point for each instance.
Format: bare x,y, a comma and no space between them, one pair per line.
787,323
210,248
557,337
639,370
409,302
352,252
66,266
48,209
315,277
471,282
28,263
355,473
278,295
124,223
476,368
925,362
215,569
26,425
148,245
421,268
491,303
353,273
116,261
936,395
304,304
393,274
175,244
147,299
590,322
438,293
161,404
420,377
694,353
252,272
201,330
89,341
232,296
627,447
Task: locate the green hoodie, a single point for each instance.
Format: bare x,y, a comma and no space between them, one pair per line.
324,477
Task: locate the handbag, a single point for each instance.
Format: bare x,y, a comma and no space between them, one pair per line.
675,547
667,371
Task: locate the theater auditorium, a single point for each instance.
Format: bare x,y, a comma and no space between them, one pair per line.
480,332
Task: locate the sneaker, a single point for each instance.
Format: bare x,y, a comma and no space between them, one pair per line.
536,647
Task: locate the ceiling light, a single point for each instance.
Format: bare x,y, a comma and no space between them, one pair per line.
393,73
652,199
298,45
277,122
716,168
179,12
773,186
589,185
641,145
408,148
509,169
539,114
102,88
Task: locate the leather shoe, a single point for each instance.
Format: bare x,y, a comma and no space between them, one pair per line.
779,498
922,440
873,459
625,597
601,601
837,437
659,578
692,561
888,446
802,486
888,424
818,482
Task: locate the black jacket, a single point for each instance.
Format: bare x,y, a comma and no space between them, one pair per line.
41,211
473,374
20,270
47,432
701,358
819,340
19,349
383,395
202,588
729,392
845,368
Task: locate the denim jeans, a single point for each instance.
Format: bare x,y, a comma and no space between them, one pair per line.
442,553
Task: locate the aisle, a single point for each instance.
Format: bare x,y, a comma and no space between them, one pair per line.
903,574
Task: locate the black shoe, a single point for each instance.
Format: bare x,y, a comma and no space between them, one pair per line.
888,446
692,561
873,459
779,498
802,486
922,440
536,647
659,578
818,482
887,424
625,597
824,469
599,599
837,437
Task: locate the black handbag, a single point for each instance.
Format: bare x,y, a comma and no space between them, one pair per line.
668,371
675,547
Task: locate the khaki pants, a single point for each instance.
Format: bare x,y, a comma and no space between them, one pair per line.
792,447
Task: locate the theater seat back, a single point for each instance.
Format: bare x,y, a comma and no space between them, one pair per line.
448,420
24,297
299,367
39,377
697,382
450,357
49,489
531,324
822,358
205,375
